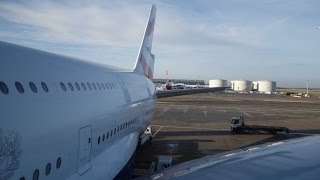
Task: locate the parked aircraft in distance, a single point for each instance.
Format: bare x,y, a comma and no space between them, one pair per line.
172,85
169,85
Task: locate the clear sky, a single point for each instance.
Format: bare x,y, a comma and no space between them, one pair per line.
196,39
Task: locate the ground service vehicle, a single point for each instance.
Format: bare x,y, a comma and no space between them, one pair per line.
238,126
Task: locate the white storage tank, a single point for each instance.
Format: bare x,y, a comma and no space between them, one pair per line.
268,87
241,85
218,83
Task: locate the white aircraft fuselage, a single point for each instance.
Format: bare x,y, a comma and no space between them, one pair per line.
74,124
63,118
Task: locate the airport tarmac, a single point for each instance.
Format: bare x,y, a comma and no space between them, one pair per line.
192,126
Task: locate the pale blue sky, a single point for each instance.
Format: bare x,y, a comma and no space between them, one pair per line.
202,39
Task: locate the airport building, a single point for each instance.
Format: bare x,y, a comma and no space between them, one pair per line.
184,81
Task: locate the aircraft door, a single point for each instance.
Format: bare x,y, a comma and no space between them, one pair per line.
124,89
85,141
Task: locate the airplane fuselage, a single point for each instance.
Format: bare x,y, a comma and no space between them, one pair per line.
72,119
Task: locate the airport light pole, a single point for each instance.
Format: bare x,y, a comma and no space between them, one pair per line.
307,88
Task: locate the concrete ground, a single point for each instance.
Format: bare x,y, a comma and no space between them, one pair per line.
192,126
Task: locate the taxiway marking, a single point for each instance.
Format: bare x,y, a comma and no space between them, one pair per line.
205,113
165,110
157,132
247,114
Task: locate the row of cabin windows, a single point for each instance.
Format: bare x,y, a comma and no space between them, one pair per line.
36,173
84,86
5,90
117,130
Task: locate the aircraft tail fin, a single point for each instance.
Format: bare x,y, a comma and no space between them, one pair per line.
145,59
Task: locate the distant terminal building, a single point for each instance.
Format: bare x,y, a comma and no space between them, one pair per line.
218,83
184,81
241,85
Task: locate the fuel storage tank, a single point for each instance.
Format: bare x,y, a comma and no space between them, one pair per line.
218,83
266,86
241,85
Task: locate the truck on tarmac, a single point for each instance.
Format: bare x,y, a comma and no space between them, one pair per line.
238,126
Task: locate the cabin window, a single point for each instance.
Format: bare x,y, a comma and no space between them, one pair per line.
63,86
70,86
77,86
83,86
103,86
111,133
103,137
94,86
115,129
99,140
107,86
36,174
88,84
48,169
110,86
33,87
3,88
108,135
99,86
58,164
19,87
44,87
